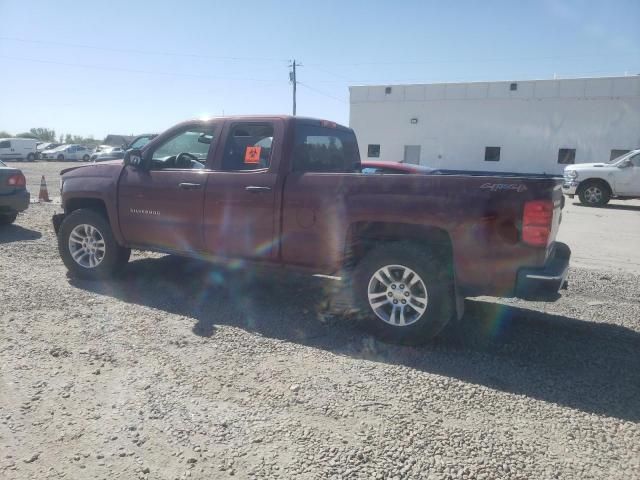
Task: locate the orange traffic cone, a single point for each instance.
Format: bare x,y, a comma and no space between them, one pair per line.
44,193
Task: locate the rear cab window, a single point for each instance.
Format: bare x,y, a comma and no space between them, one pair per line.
324,147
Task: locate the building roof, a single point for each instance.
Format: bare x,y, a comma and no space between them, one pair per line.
588,87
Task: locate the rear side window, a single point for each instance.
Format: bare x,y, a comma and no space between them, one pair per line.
325,149
248,147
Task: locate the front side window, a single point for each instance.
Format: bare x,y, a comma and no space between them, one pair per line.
5,144
567,156
325,149
248,147
186,150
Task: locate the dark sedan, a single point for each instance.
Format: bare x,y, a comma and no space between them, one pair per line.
14,197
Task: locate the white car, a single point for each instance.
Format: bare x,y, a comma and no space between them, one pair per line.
67,152
18,149
596,183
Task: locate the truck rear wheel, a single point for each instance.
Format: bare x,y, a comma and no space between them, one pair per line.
404,294
594,194
87,246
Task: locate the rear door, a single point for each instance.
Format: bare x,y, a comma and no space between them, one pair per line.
241,201
162,206
315,217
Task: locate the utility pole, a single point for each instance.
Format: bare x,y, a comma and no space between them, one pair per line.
292,79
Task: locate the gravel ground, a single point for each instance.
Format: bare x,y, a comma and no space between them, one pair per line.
181,370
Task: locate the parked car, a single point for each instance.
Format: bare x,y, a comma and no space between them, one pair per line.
68,152
113,153
14,196
116,153
18,149
44,146
597,183
288,192
381,167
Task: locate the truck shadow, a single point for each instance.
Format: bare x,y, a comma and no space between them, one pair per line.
16,233
612,206
589,366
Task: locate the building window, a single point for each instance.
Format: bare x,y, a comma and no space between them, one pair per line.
492,154
567,156
373,151
615,153
387,90
513,87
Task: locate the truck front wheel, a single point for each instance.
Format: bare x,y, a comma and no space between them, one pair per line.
87,246
405,294
594,194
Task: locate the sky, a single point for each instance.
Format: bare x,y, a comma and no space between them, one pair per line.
97,67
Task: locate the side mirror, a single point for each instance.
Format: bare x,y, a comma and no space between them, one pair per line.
133,157
625,164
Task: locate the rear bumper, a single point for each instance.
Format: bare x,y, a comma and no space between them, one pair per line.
15,202
544,282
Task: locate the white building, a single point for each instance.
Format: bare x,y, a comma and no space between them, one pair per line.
535,126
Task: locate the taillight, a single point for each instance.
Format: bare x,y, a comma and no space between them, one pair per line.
537,222
16,180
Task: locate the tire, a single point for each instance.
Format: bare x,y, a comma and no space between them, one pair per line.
60,158
427,292
96,260
31,157
8,219
85,158
594,194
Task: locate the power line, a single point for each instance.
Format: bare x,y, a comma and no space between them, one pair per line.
143,52
132,70
320,92
470,61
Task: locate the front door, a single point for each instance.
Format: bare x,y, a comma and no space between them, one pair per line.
628,178
240,204
161,206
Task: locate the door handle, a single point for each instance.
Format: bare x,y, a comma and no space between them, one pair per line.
190,186
256,189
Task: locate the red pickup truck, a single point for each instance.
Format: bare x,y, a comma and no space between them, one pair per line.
288,192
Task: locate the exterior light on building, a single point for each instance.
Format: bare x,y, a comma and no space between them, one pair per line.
414,121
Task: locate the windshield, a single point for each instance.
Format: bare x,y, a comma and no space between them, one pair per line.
623,157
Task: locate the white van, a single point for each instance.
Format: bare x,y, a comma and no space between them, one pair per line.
18,149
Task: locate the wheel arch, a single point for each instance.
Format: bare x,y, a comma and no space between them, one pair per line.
98,205
362,237
599,180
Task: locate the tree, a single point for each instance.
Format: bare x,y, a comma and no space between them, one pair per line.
26,135
4,134
44,134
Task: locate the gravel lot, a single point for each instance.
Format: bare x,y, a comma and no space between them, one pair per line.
181,370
